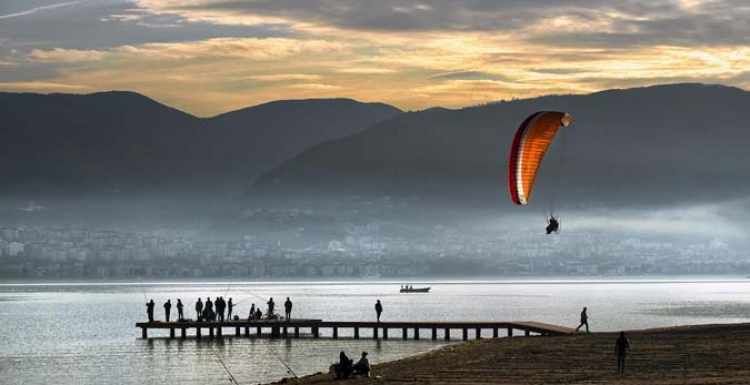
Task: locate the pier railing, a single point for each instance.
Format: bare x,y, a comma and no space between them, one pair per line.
380,330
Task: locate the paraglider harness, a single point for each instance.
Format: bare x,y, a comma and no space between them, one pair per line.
553,225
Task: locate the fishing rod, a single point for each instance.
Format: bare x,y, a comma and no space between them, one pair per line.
143,290
224,366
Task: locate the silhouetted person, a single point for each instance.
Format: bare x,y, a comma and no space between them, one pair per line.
258,313
271,305
180,316
230,307
252,312
362,366
199,309
552,225
288,308
621,349
344,368
150,310
209,310
167,308
584,320
219,305
378,309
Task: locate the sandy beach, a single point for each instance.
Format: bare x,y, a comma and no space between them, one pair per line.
705,354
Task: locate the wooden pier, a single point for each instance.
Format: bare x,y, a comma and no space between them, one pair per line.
379,330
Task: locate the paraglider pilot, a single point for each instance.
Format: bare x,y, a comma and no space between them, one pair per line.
553,225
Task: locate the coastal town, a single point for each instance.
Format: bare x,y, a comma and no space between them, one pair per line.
28,252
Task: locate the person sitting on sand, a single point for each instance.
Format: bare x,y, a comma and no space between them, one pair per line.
344,368
362,367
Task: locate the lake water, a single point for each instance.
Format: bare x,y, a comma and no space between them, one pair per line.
85,333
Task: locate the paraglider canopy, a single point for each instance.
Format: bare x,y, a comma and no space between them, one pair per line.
530,144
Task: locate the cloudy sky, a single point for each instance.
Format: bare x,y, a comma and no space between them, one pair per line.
212,56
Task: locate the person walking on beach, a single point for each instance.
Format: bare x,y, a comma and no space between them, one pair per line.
199,309
288,308
621,349
167,308
180,316
378,309
150,310
584,320
230,307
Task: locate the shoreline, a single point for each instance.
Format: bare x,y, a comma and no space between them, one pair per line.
695,354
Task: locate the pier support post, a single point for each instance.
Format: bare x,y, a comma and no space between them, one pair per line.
247,331
434,334
510,332
144,333
274,331
466,334
296,332
210,332
335,332
447,334
479,333
183,333
385,333
237,331
494,332
198,333
416,333
375,333
356,333
171,333
527,333
403,333
286,331
259,331
316,332
218,331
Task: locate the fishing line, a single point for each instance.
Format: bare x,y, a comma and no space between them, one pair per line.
222,364
289,370
143,290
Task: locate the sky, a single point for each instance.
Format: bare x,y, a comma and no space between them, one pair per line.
211,56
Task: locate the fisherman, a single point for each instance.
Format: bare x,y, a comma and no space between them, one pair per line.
199,309
231,306
288,308
378,309
271,305
150,310
251,316
180,316
209,312
258,313
167,308
553,225
362,367
219,305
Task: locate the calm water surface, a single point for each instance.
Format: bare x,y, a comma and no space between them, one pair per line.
85,334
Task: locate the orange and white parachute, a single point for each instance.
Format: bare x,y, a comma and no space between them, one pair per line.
530,144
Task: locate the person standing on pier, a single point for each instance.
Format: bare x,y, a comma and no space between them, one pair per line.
621,349
378,309
167,308
252,313
180,316
230,306
150,310
288,309
208,314
220,306
271,305
584,320
199,309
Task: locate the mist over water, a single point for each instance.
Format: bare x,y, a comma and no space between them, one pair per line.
85,333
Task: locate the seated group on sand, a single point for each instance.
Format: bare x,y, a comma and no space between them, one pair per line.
346,367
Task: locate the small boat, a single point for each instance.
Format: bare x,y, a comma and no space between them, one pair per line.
415,289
